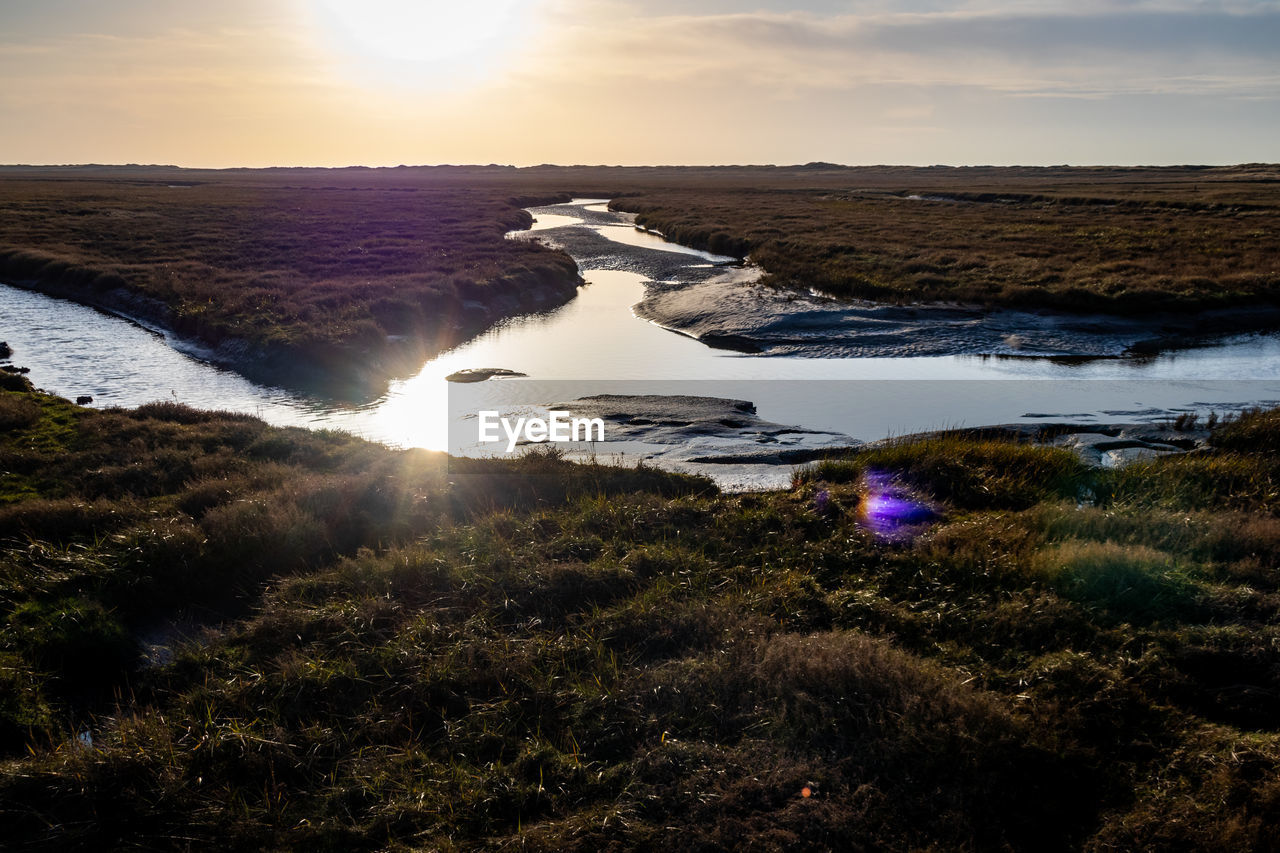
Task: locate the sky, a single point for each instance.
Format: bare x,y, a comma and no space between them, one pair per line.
221,83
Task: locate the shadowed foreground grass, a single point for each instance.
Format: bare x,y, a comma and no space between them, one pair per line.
546,656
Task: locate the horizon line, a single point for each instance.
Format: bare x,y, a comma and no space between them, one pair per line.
814,165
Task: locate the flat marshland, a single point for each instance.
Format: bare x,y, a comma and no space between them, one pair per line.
307,276
1113,241
382,651
303,282
216,633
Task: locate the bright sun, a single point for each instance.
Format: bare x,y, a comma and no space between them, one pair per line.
423,31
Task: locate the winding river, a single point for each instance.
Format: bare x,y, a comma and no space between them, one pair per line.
598,343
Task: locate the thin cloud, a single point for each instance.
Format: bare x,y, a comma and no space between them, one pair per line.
1101,48
643,81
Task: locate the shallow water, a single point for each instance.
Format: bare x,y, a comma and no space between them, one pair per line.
74,350
597,341
631,236
547,221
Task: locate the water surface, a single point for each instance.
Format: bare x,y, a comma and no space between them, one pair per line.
596,339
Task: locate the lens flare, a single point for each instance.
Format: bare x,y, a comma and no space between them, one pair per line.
888,511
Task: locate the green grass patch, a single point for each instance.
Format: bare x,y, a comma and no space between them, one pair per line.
1128,581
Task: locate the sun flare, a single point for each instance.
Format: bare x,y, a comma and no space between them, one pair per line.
423,31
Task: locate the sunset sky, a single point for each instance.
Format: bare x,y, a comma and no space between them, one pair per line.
384,82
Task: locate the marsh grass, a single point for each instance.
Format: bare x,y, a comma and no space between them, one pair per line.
393,651
966,472
1165,240
352,276
387,650
314,279
17,412
1130,581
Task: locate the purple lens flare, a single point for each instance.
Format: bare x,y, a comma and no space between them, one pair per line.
888,511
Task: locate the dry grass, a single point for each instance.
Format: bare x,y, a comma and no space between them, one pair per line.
1132,241
555,657
312,276
314,269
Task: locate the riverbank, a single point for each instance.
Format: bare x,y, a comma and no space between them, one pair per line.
342,370
331,289
731,305
346,278
234,635
726,440
594,345
1122,242
739,310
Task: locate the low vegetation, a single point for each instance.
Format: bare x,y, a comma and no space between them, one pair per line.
300,278
345,277
214,633
1129,241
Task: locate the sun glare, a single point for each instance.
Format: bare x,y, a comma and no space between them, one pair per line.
426,33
